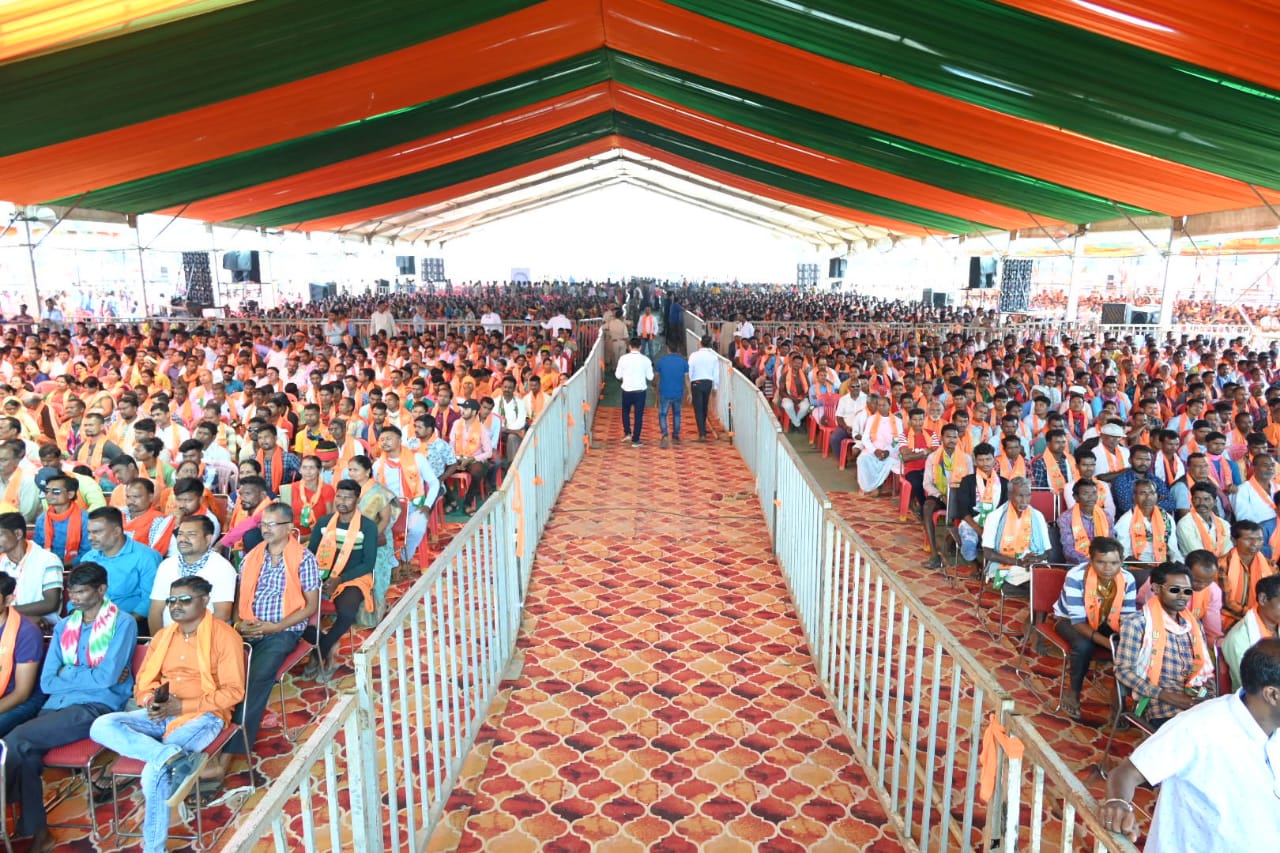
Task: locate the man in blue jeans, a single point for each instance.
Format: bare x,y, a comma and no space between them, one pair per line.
198,660
635,371
673,386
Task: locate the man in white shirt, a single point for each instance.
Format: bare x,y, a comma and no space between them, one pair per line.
558,323
515,416
194,538
1216,768
635,371
37,571
490,321
382,320
744,330
704,379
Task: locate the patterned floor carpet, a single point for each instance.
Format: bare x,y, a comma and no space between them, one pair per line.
667,700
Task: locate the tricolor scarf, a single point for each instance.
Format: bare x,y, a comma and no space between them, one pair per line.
100,634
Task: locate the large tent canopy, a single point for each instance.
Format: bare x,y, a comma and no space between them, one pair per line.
831,121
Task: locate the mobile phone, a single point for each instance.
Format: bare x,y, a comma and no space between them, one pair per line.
161,695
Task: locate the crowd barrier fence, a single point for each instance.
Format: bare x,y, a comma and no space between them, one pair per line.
429,672
915,704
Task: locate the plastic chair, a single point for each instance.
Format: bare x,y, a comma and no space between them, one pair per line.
846,452
300,653
1121,714
1046,501
1046,587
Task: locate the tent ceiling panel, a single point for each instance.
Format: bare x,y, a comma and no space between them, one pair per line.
965,115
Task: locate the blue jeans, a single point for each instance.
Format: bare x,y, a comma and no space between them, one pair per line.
134,735
19,714
649,346
670,403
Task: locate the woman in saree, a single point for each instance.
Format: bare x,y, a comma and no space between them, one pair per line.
380,505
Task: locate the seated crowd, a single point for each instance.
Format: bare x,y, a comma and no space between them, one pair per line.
267,476
1144,468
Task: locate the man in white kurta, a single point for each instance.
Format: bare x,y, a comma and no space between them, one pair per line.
877,458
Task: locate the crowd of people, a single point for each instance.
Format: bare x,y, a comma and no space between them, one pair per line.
1144,469
208,488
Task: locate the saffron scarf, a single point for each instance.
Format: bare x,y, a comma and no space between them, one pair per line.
986,489
100,634
1078,532
1010,471
1015,534
331,559
1093,599
95,453
75,522
251,568
1159,535
410,487
1053,471
1209,538
13,491
1237,580
150,671
276,467
1155,636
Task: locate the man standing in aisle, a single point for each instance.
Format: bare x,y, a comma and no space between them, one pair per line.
635,371
615,339
704,378
383,321
672,387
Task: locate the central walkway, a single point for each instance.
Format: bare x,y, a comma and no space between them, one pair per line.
667,699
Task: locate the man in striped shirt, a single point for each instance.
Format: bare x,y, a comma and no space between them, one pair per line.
1095,597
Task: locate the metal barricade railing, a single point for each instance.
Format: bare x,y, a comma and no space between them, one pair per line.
428,674
323,780
913,701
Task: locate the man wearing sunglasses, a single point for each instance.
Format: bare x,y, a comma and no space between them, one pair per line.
198,662
1164,660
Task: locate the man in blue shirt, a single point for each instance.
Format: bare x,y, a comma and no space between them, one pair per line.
131,566
85,675
672,379
63,520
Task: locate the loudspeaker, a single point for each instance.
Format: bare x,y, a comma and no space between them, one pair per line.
1115,314
321,292
975,273
433,269
939,300
1142,318
243,265
807,275
1015,285
927,298
405,264
836,267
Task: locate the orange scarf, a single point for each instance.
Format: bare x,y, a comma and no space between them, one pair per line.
986,488
277,467
411,487
94,460
139,529
1159,533
8,644
13,492
74,529
328,555
1262,493
294,598
1077,527
1209,537
1053,471
151,664
1115,460
1093,600
1156,633
1237,580
1015,536
1010,471
470,444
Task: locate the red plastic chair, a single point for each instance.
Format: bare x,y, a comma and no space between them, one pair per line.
1046,587
1046,502
846,451
303,650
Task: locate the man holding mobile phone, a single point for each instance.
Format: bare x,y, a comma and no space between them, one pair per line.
191,680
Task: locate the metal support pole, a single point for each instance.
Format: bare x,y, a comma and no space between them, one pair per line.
1073,287
31,255
1168,294
142,269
